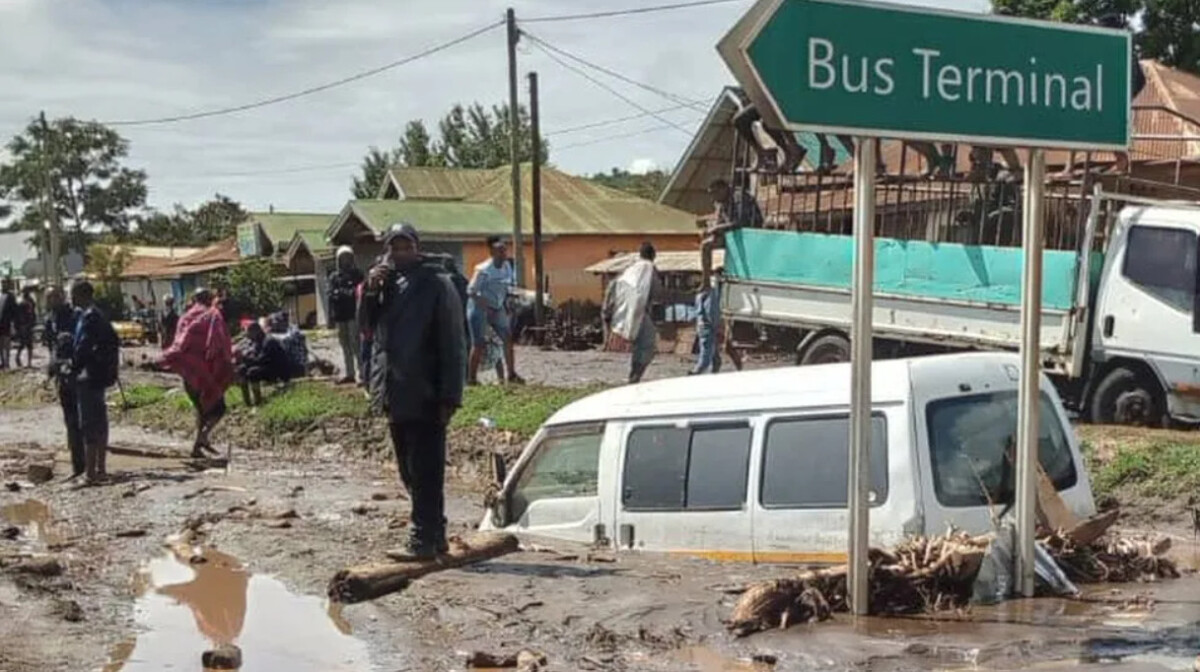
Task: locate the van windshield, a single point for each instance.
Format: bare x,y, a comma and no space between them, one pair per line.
973,444
565,464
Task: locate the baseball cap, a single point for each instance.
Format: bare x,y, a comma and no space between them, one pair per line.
401,230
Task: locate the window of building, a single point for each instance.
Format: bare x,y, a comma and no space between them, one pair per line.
806,463
1162,262
687,468
973,444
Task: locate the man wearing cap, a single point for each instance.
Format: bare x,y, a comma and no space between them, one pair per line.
488,306
417,375
343,306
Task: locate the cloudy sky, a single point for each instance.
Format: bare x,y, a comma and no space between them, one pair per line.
115,60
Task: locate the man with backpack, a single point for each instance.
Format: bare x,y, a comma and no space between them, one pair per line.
343,308
95,363
59,337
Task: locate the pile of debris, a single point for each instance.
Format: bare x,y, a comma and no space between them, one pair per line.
935,574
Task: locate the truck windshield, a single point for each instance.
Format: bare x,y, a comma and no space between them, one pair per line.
565,464
973,444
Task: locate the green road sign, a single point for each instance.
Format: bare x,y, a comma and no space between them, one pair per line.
857,68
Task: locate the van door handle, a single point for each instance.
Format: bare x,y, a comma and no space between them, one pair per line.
1109,323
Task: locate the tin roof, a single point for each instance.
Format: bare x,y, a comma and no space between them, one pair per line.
573,205
313,242
432,183
218,255
665,262
434,219
278,228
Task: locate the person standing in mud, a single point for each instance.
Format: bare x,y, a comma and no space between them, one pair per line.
8,319
418,371
169,322
202,355
342,310
95,364
58,335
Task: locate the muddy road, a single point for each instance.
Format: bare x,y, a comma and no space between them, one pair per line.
88,582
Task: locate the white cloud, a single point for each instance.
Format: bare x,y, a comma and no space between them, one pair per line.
642,166
129,59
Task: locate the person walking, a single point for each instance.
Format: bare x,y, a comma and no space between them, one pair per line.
628,310
488,306
202,355
343,309
58,335
23,326
8,318
417,376
169,321
708,359
95,364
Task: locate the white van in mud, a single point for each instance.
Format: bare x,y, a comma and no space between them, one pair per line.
753,465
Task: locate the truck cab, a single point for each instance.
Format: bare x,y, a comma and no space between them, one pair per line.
1145,340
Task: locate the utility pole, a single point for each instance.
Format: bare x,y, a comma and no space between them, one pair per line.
49,211
535,130
515,145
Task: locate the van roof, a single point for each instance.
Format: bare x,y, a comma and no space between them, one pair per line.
766,389
1182,214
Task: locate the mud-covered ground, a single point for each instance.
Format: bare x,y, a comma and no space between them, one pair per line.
290,512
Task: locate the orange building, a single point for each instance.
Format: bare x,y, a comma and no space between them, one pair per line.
457,209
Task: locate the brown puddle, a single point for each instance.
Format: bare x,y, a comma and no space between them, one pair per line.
35,517
185,608
705,659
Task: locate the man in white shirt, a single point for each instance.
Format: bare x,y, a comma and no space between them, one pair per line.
488,294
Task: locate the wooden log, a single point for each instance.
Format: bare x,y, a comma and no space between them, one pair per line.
367,582
1093,528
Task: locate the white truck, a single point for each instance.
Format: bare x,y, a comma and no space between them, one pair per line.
1120,332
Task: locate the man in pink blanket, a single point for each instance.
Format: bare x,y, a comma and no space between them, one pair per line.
202,354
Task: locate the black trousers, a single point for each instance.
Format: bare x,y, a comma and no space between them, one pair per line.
70,409
421,456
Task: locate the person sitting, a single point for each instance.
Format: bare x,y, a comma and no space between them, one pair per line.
293,341
262,360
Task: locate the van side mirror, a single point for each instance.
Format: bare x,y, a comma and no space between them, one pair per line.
499,470
499,504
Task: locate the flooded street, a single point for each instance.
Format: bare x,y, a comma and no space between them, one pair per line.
119,596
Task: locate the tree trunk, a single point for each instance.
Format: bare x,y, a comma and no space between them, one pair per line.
367,582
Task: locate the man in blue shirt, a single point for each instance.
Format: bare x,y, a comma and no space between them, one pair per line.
488,305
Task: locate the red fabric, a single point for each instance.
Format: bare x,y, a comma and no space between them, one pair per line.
202,354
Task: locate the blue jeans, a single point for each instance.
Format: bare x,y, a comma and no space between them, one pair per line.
709,358
479,319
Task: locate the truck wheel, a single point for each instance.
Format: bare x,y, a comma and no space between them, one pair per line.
1124,398
827,349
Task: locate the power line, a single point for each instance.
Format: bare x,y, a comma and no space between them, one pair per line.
627,12
644,131
613,91
694,104
610,122
316,89
255,173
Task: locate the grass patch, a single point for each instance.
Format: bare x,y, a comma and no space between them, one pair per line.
521,409
1156,464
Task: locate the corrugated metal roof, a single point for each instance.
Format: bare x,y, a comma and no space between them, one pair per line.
280,227
665,262
430,183
218,255
573,205
431,218
708,157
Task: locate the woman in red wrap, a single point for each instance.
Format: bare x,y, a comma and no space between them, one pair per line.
202,354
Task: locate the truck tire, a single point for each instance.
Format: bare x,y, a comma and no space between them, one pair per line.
831,348
1124,397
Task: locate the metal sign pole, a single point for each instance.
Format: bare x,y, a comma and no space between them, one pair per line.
860,373
1029,389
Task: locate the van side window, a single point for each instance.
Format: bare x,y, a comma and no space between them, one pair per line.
1162,263
806,463
701,468
973,442
566,464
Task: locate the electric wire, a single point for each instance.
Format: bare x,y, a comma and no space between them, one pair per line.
628,12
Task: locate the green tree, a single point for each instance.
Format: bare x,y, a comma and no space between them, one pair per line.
106,263
212,221
468,137
647,185
81,162
253,285
1165,30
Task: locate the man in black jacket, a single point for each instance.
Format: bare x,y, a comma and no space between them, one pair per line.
418,371
59,337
